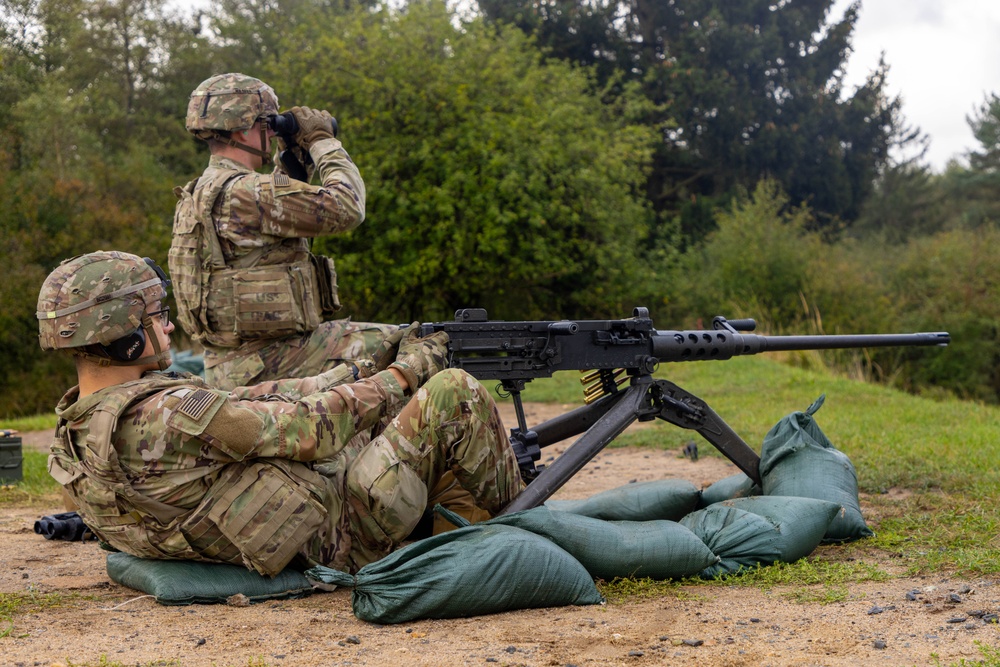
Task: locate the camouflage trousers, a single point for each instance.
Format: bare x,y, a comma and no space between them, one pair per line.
449,427
330,344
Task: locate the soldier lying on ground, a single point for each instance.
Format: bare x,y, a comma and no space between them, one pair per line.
164,466
248,289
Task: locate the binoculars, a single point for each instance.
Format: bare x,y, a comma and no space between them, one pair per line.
65,526
285,126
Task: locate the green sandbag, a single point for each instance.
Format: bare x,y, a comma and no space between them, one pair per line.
608,549
728,488
668,499
182,582
797,459
762,530
481,569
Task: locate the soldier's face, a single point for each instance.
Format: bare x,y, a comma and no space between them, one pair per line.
162,328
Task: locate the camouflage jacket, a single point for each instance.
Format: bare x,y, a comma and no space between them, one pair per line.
261,210
232,220
187,471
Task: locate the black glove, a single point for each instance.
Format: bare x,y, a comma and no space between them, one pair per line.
313,126
420,358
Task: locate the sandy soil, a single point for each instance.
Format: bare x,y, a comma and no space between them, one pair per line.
878,624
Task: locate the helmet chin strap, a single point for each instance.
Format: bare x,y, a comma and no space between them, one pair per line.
259,152
162,357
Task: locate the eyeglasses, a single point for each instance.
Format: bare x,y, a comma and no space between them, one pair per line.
164,314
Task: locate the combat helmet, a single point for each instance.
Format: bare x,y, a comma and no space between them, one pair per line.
228,103
94,305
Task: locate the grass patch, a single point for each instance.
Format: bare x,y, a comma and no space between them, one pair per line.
27,602
933,531
627,589
990,657
818,580
44,422
36,487
811,571
104,661
895,440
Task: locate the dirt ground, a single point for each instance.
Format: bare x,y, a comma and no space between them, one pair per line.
903,621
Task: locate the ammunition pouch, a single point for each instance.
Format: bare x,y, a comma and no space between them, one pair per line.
261,511
326,277
272,301
276,301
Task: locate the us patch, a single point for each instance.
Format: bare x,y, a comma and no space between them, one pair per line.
280,179
197,404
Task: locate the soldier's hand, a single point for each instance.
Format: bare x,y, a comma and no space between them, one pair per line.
420,358
389,349
314,125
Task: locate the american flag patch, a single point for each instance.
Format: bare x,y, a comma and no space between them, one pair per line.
281,179
195,405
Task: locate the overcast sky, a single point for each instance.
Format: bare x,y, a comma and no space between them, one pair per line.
943,56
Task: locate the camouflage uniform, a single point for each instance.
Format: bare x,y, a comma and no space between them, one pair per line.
248,289
252,476
164,466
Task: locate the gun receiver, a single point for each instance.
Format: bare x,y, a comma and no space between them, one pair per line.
616,352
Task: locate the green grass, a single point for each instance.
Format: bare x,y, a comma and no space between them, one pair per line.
810,571
27,602
46,422
814,579
893,438
624,590
36,487
990,658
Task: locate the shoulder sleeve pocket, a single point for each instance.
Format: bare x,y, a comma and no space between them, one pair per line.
217,421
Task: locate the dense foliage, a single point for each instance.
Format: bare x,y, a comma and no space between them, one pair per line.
544,159
495,179
741,89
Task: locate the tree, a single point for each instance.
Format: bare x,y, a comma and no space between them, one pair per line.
493,179
973,192
745,89
948,282
250,34
91,144
758,262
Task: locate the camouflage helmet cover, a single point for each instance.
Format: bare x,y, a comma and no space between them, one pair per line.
229,102
96,298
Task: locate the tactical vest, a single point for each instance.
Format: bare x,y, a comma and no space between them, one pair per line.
257,513
271,292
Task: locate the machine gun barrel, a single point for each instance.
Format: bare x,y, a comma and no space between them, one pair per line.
675,346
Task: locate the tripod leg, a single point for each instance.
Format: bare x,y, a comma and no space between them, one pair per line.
686,410
609,426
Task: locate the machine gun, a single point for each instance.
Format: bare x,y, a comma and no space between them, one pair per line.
615,352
